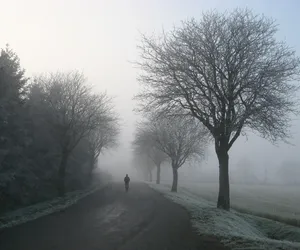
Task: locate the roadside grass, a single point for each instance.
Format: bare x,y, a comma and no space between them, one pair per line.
38,210
235,229
277,203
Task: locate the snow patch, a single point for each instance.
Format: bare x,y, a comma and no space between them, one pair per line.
237,230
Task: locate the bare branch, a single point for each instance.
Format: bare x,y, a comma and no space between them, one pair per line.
180,139
226,70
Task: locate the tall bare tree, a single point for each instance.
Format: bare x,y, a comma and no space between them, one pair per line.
144,144
77,112
179,138
103,137
143,164
228,71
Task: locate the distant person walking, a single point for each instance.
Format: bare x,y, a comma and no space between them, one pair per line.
126,180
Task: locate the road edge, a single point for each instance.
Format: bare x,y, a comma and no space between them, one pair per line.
33,212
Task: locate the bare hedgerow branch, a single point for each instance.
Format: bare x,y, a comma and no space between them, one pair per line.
75,108
227,70
180,139
144,143
105,135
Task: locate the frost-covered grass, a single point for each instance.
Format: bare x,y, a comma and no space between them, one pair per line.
38,210
236,230
274,202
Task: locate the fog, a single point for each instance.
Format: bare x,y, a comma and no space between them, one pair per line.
100,38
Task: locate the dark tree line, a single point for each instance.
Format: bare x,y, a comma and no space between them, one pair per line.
52,130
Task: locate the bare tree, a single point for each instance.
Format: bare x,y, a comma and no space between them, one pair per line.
181,139
228,71
144,144
103,137
158,157
143,164
76,112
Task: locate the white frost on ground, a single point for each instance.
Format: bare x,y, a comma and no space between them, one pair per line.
236,230
281,202
33,212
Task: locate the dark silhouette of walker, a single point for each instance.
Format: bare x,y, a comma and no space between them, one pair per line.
126,180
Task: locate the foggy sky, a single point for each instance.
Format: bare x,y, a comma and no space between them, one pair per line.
99,37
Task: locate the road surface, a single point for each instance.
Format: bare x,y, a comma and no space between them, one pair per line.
111,219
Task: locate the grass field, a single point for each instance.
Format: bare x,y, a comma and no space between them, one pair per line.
274,202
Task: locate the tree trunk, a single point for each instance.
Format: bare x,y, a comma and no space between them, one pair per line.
175,179
223,198
158,174
62,174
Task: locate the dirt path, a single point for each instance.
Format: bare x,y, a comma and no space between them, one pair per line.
111,220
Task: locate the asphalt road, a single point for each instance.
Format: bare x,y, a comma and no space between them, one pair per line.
111,219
